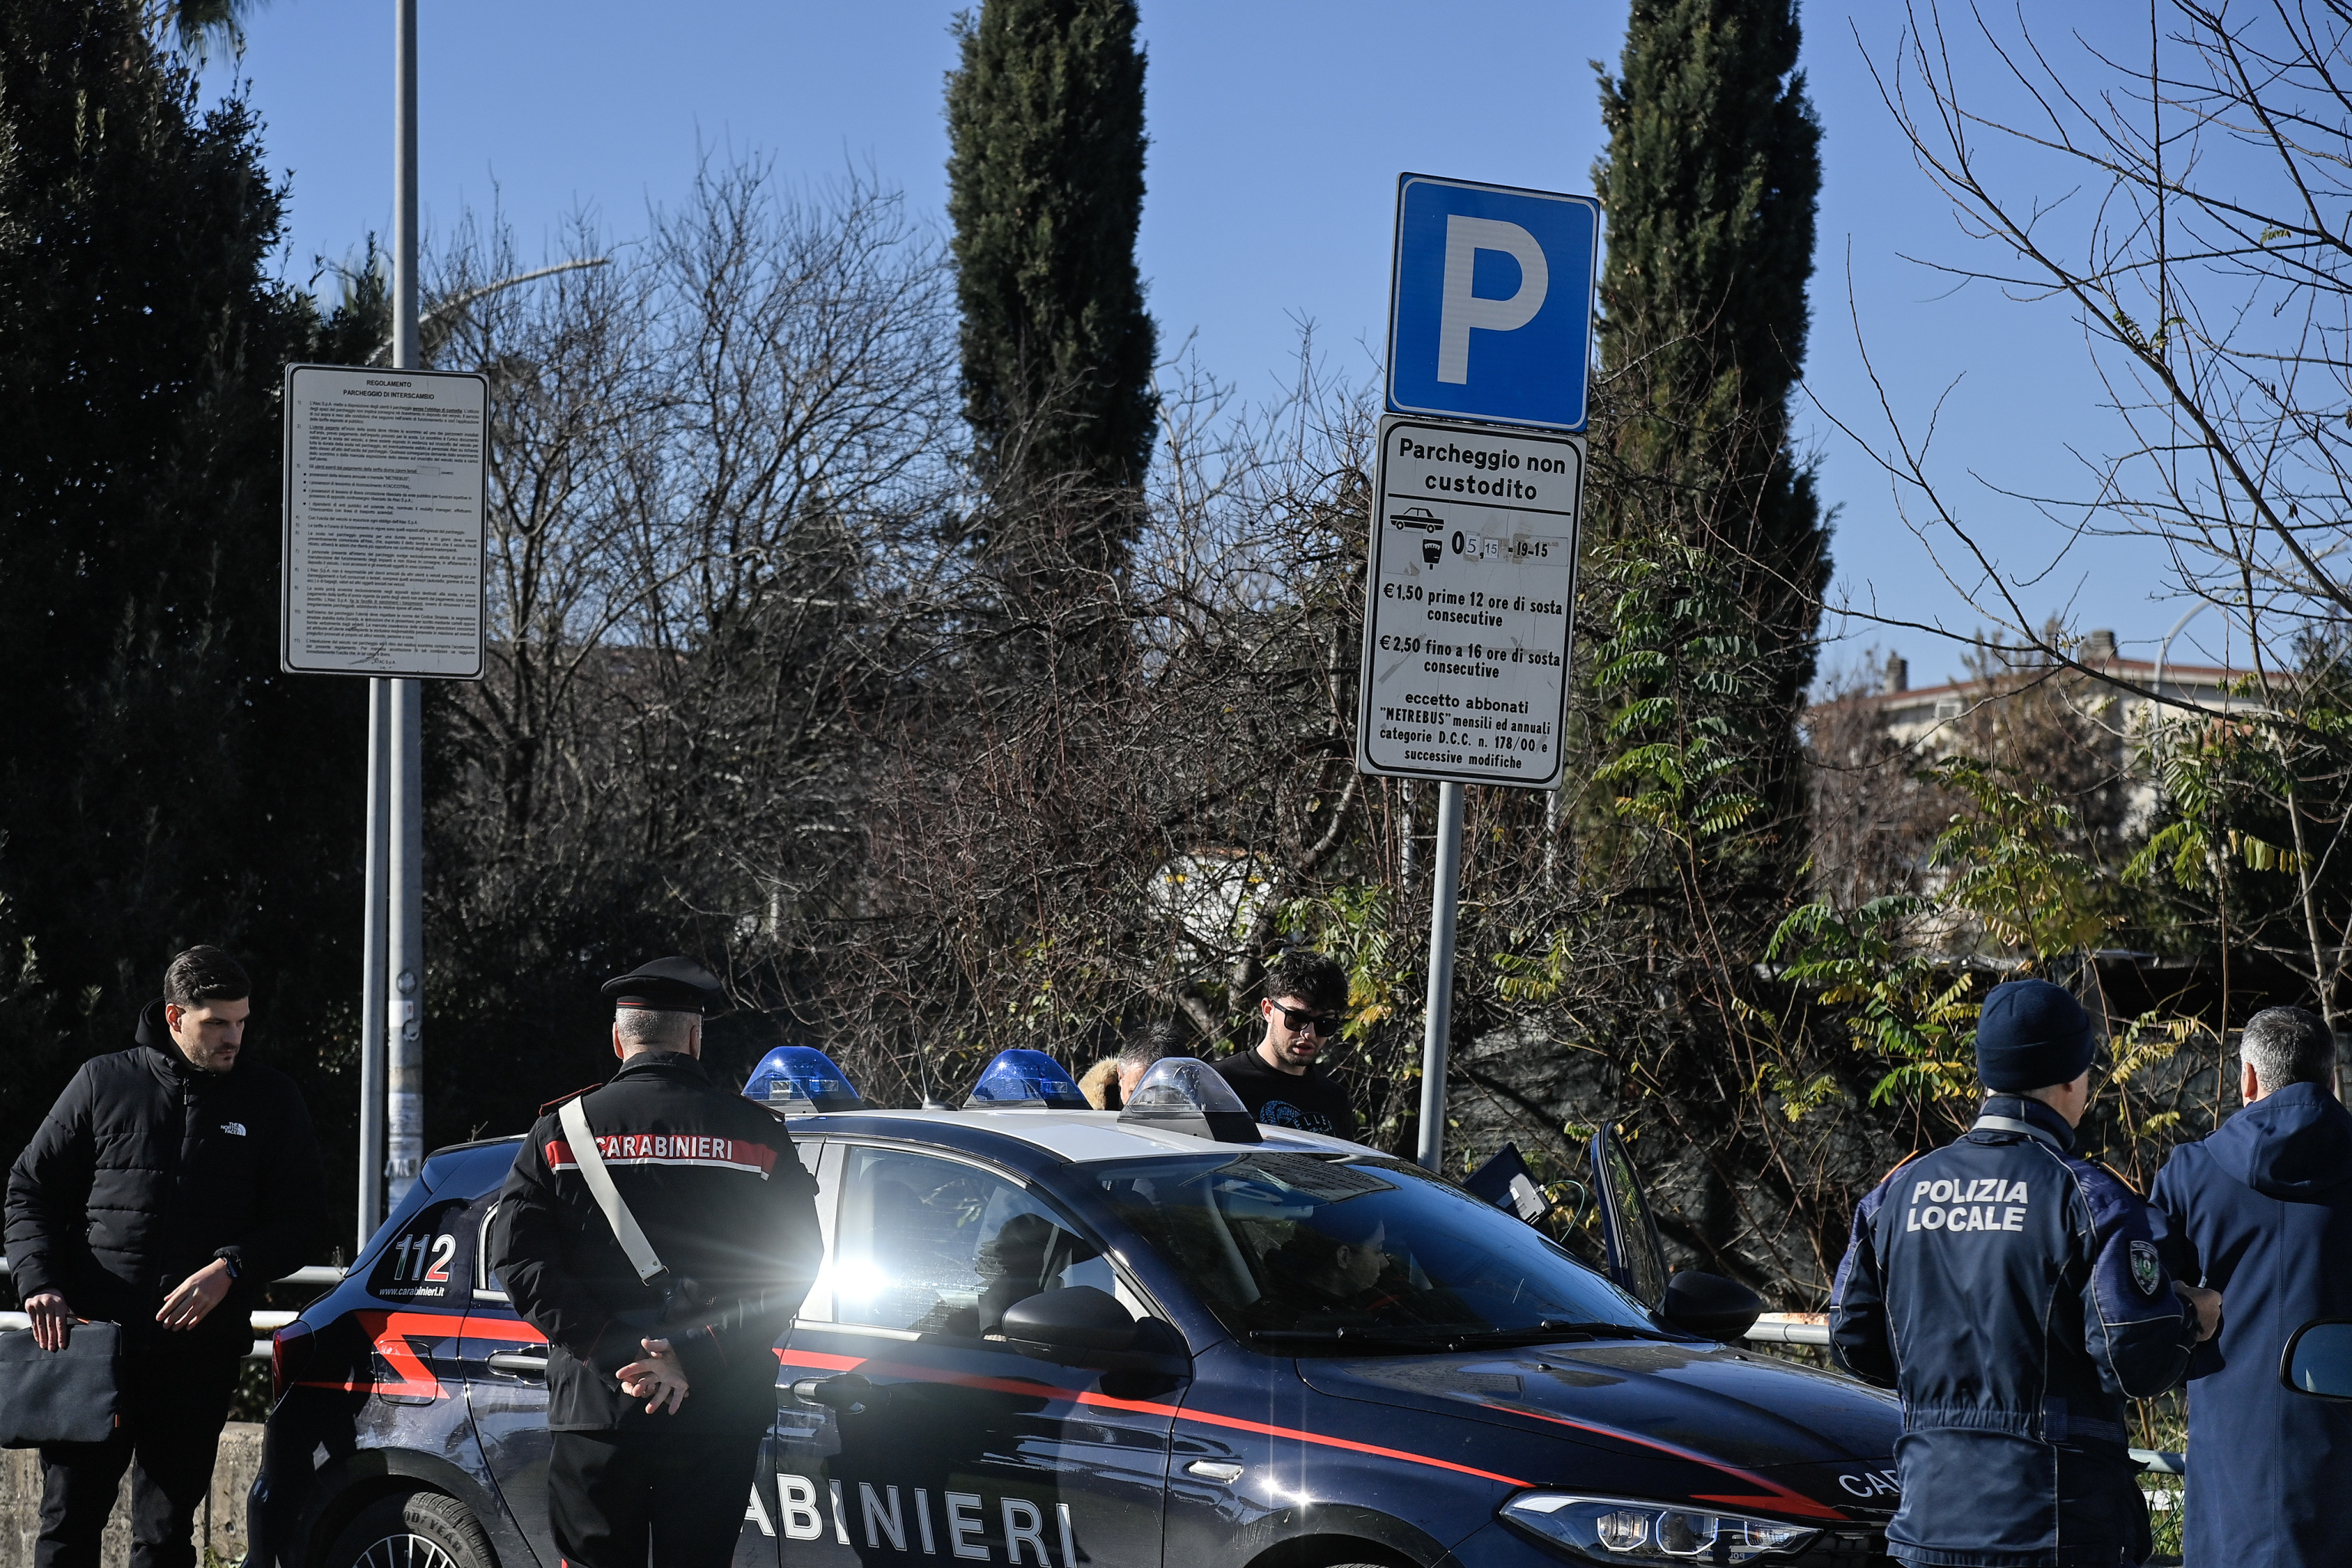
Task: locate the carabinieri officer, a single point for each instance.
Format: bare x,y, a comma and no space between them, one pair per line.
658,1392
2014,1296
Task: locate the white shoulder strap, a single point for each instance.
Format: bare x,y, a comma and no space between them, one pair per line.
582,1143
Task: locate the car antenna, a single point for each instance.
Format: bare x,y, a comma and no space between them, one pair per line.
922,1068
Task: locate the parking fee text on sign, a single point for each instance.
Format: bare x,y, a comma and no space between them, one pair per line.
1490,312
1469,599
385,476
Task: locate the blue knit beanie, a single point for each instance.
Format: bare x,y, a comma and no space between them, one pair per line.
2032,1035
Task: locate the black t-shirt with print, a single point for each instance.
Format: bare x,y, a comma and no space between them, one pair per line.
1312,1101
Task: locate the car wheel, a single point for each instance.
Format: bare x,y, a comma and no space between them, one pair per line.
414,1529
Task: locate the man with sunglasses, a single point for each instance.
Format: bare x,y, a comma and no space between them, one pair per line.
1284,1081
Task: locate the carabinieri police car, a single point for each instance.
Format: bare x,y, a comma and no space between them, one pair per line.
1051,1337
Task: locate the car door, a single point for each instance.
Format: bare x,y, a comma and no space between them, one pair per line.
505,1366
1637,1260
904,1432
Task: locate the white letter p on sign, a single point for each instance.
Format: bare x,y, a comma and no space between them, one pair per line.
1460,311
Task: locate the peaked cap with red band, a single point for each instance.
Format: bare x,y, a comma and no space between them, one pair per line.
669,984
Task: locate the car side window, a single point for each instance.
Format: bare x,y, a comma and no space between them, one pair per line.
486,1278
431,1259
929,1246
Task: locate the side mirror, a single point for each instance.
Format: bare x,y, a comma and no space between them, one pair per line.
1710,1306
1074,1318
2318,1358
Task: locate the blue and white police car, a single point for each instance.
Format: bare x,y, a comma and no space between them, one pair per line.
1051,1337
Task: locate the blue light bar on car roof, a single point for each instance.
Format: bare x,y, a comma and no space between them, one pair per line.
801,1081
1184,1094
1026,1080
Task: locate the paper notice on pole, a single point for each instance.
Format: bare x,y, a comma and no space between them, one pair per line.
385,494
1468,601
403,1133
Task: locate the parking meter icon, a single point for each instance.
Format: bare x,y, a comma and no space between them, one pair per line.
1431,550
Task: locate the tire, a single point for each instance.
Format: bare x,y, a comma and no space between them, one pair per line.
414,1530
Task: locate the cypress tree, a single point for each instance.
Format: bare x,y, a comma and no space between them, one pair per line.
1710,182
1045,121
1700,600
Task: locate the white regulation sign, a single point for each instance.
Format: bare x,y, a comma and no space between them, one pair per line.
1468,600
383,572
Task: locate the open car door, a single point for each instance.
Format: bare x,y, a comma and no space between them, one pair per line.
1636,1259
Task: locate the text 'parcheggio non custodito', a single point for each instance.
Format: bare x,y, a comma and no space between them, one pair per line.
1469,603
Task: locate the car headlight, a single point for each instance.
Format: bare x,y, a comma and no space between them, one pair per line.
1624,1530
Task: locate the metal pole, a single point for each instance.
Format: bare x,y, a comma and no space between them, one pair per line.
1445,887
372,987
404,1107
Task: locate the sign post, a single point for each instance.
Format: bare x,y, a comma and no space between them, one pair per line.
383,576
1470,587
386,473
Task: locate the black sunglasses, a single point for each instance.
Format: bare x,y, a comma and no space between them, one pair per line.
1301,1022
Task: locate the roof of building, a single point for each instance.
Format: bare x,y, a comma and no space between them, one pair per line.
2140,671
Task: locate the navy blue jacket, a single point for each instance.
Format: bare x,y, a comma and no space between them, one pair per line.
2015,1297
2262,1211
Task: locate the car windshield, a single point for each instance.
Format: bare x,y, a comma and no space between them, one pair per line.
1298,1252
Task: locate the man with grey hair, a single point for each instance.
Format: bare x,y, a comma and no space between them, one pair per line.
2262,1211
1110,1083
659,1386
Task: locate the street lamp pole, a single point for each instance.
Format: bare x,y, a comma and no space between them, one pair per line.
404,891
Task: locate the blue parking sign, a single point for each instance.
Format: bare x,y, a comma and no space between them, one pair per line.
1490,311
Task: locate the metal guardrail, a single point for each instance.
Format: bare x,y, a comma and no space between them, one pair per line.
1814,1328
263,1322
1791,1329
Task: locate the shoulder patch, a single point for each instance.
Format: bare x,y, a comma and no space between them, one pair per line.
557,1103
2146,1271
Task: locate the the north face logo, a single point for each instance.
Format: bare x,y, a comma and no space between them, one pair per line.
234,1128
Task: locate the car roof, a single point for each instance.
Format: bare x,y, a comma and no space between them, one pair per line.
1073,1137
1067,1137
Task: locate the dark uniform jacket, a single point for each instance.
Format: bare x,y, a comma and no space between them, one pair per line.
2262,1211
723,1199
2014,1296
146,1170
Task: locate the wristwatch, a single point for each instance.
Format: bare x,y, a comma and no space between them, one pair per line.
231,1267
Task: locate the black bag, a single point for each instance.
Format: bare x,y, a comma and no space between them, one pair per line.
59,1396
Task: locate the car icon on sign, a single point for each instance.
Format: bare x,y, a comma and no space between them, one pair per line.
1416,517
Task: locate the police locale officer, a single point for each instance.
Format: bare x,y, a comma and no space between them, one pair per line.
2015,1296
658,1390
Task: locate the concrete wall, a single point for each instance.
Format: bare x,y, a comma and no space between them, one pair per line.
220,1526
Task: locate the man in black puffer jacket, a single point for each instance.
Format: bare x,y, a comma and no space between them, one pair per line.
170,1185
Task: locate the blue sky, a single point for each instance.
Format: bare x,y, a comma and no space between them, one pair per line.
1278,130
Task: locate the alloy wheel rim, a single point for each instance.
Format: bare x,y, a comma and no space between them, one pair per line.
406,1550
